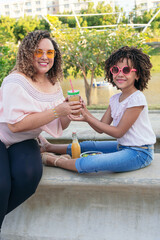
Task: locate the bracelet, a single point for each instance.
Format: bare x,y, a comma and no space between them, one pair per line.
55,114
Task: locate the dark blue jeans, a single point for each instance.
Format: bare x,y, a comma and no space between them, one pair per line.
20,173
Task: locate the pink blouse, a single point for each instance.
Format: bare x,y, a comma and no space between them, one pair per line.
18,98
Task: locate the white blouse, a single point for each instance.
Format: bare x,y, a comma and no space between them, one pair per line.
141,132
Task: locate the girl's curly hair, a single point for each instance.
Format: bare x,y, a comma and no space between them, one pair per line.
25,56
139,60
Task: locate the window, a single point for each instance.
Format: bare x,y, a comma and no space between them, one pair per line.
77,5
6,6
7,13
17,12
66,5
38,2
28,10
38,9
28,3
15,6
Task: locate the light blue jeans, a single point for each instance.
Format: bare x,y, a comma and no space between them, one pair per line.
115,158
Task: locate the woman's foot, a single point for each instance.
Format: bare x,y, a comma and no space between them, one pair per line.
50,159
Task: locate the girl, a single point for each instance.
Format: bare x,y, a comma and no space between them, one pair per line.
129,70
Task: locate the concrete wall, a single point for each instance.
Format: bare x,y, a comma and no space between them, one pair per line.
103,206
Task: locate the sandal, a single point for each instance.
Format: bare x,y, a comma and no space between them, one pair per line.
53,162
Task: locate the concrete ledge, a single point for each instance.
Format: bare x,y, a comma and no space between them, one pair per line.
103,206
85,132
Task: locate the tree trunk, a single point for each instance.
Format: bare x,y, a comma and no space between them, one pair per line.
88,88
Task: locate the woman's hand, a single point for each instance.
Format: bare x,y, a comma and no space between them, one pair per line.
67,108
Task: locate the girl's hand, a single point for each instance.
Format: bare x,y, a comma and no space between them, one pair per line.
83,117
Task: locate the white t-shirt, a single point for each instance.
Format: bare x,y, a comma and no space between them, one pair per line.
141,132
18,98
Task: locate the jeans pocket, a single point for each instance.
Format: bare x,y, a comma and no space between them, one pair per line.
145,159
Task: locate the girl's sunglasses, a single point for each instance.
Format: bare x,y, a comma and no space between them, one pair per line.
115,70
50,53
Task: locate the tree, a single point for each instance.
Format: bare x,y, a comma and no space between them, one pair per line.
27,24
7,60
6,30
85,52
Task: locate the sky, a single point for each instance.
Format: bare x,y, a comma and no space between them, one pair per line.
126,4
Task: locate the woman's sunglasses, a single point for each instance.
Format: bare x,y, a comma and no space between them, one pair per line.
115,70
50,53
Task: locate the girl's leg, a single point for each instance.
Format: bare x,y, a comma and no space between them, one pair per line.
46,146
26,171
101,146
62,162
126,159
5,181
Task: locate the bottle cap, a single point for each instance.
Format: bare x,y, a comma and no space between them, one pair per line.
76,92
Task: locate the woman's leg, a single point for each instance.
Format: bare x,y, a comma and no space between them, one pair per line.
26,171
5,181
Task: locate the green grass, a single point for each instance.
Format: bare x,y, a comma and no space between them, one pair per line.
104,107
155,59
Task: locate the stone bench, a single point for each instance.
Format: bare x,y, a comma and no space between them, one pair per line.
85,132
97,206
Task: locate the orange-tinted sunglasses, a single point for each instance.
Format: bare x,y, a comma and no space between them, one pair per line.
50,53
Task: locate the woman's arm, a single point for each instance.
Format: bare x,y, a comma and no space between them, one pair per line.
65,121
36,120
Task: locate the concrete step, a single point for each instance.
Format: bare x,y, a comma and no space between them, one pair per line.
103,206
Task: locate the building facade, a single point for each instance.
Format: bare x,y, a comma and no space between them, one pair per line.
144,5
19,8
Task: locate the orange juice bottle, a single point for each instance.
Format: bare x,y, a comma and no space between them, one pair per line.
75,148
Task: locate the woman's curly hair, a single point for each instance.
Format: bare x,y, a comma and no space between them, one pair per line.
25,56
139,60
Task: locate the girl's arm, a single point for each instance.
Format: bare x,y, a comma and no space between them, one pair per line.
36,120
127,120
107,119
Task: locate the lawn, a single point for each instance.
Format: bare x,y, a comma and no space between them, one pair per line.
155,59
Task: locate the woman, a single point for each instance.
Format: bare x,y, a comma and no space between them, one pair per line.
31,101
